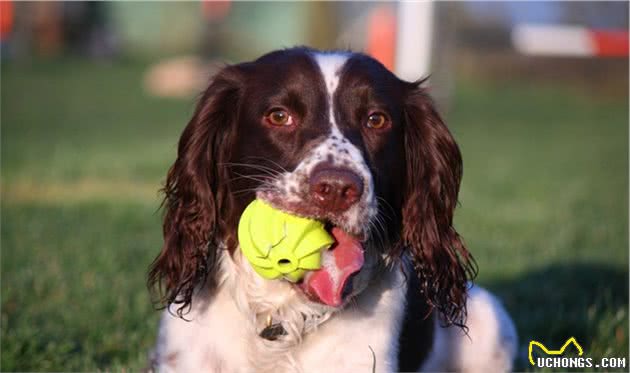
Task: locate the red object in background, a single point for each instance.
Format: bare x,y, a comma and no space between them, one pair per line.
215,10
6,19
610,43
569,40
381,35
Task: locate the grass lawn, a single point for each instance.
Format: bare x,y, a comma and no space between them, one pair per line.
543,208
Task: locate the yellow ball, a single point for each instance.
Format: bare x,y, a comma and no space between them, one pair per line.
278,244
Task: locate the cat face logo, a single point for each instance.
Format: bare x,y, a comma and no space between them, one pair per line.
553,352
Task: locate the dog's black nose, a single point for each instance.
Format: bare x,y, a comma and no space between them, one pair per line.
335,189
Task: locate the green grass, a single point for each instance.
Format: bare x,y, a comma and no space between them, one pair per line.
544,209
84,151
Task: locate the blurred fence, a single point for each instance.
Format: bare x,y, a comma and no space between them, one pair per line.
468,39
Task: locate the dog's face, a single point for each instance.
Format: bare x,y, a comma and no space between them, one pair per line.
331,136
322,140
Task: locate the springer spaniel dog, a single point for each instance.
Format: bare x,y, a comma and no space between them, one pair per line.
336,137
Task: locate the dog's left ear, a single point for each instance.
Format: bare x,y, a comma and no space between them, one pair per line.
433,175
197,198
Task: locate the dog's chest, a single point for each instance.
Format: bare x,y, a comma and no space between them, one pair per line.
362,337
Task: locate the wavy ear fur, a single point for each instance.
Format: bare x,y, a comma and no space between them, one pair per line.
434,172
197,197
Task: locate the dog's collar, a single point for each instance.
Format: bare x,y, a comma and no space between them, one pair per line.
272,331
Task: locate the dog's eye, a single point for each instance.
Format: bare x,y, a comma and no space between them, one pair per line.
377,121
279,118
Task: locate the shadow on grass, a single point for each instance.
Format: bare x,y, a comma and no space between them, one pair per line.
581,300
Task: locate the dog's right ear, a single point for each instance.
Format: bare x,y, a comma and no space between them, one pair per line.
197,196
434,172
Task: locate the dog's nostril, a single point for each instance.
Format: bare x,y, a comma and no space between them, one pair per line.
350,192
323,188
334,188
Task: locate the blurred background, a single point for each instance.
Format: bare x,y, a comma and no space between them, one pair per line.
95,95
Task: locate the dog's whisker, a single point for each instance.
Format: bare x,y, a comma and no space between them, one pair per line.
257,189
268,170
383,202
268,160
374,234
377,229
260,178
240,192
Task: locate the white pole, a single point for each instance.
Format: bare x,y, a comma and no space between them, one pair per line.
414,39
553,40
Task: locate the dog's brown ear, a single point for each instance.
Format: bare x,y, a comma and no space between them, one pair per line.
197,196
433,175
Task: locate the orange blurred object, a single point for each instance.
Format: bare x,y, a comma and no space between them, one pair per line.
381,35
215,10
6,19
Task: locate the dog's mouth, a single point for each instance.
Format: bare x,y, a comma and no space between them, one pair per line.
332,283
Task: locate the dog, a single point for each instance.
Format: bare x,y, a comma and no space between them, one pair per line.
332,136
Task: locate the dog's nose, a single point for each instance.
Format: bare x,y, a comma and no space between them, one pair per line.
335,189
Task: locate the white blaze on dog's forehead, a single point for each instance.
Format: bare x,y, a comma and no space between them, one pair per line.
330,65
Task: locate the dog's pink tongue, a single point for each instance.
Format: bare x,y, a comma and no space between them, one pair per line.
339,262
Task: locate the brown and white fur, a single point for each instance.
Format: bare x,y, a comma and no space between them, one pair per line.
273,129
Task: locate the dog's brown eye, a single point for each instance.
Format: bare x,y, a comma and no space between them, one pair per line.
279,118
377,121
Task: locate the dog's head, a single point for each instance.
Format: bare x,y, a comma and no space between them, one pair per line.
333,136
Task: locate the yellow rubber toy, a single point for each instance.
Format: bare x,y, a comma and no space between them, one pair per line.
278,244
